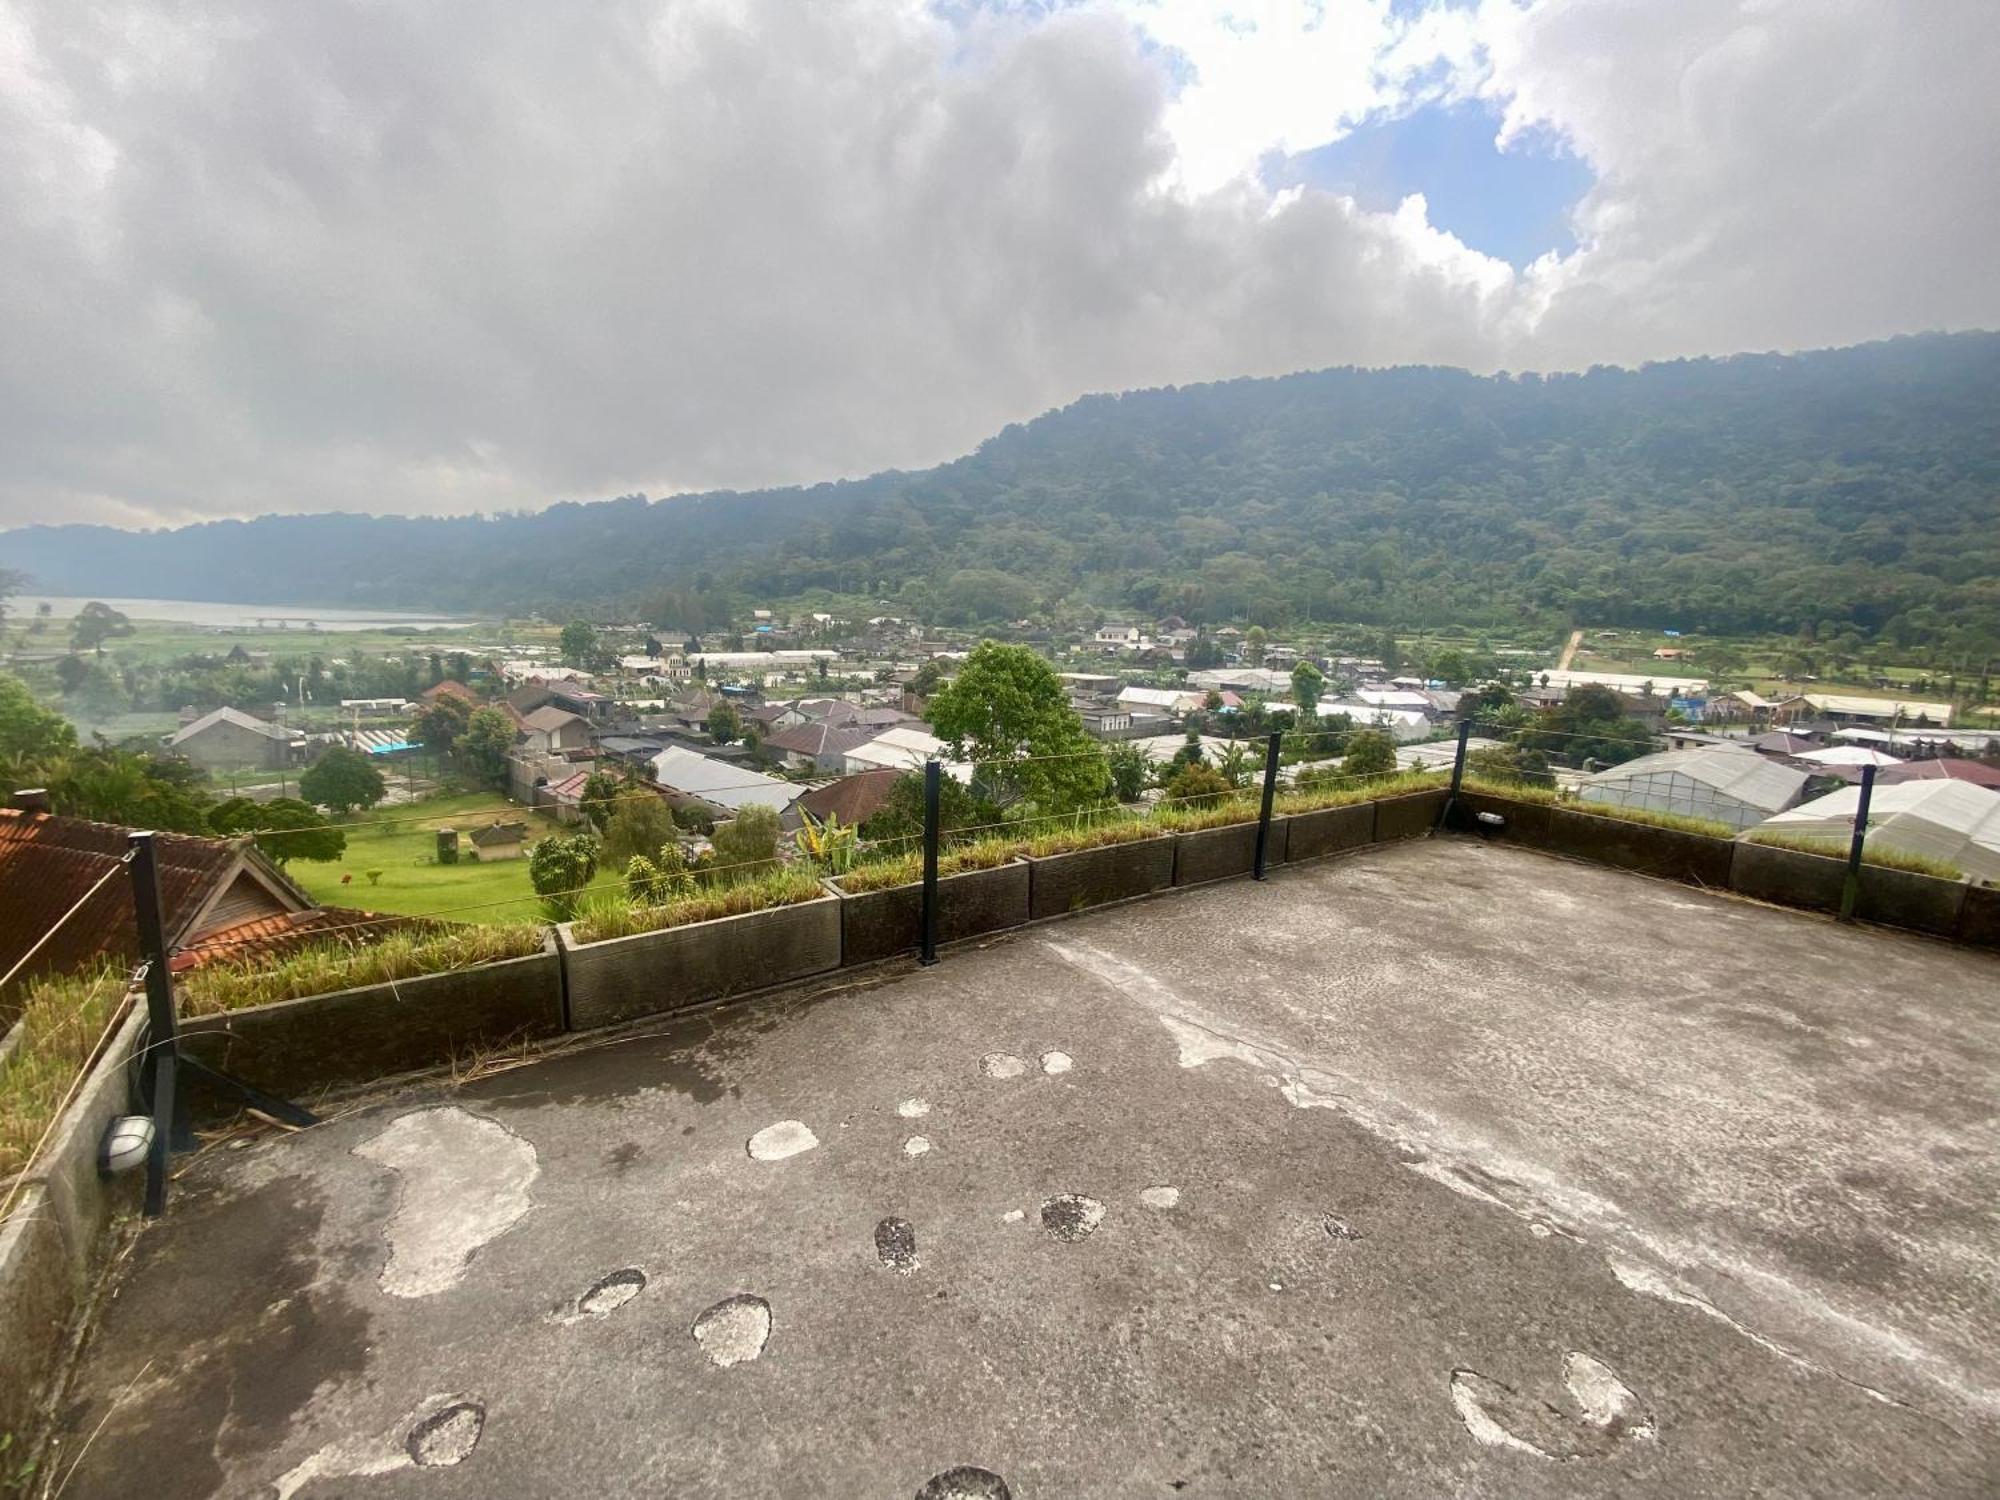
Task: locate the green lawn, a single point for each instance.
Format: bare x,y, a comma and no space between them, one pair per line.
412,882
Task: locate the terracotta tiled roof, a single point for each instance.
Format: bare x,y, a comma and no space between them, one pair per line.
270,937
48,862
450,688
852,799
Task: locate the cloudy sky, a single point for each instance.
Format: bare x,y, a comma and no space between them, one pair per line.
479,254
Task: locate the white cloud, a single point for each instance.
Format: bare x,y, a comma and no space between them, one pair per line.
487,255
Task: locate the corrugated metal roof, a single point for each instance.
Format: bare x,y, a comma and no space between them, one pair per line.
1954,821
1739,775
734,787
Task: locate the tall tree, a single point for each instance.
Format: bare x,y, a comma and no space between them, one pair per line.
482,749
1308,682
95,624
579,643
342,780
1008,711
285,828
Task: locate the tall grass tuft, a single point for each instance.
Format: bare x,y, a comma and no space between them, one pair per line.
605,918
62,1020
907,869
1872,853
325,967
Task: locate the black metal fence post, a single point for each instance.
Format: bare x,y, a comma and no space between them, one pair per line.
159,1065
933,774
1457,773
162,1064
1850,890
1270,793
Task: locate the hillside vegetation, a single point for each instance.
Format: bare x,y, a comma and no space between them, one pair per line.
1855,488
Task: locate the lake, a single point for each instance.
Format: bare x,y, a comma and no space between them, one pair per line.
195,612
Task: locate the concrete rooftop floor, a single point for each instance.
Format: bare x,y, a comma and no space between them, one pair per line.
1438,1170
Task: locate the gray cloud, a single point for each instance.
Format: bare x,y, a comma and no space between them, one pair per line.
482,255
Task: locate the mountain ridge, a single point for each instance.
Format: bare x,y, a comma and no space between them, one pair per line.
1852,487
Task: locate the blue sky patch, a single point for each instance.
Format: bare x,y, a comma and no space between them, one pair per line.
1512,205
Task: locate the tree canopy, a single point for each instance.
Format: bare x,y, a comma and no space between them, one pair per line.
1007,711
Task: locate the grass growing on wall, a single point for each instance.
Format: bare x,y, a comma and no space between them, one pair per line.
325,967
1314,799
62,1021
611,918
907,869
1871,854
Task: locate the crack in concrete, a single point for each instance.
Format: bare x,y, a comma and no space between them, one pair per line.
1476,1169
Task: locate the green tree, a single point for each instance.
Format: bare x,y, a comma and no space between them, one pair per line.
1449,666
579,643
438,725
1007,710
1370,752
32,738
1509,763
1129,772
559,868
285,828
600,788
637,822
95,624
1255,641
900,818
1590,724
746,847
482,749
341,780
1308,682
1197,786
724,722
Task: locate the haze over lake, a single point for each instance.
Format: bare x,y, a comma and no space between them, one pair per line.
301,617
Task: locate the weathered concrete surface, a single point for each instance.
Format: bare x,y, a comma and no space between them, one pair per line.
1387,1177
677,967
876,925
1330,830
1224,853
1063,883
302,1047
1979,919
1787,877
1408,817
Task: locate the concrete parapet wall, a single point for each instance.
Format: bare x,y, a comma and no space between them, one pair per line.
1408,817
1328,830
297,1047
875,925
53,1241
1061,883
621,979
1224,853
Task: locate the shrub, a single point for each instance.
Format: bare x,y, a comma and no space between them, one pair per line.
62,1020
559,868
1197,785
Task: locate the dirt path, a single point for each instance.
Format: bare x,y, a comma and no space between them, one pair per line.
1575,640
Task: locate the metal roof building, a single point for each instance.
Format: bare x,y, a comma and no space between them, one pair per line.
1953,821
1718,782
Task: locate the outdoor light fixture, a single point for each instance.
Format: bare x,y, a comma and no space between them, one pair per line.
126,1144
1492,820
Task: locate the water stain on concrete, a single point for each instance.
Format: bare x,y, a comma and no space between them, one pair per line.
605,1296
1002,1065
896,1245
784,1139
464,1182
735,1330
966,1482
447,1437
1608,1412
1071,1217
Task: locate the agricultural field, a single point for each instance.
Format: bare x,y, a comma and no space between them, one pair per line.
412,882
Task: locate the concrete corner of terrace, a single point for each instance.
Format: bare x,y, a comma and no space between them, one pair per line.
1443,1167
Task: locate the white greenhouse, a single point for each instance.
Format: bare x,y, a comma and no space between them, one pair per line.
1718,782
1954,821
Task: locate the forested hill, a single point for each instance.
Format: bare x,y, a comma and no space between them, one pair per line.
1859,486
